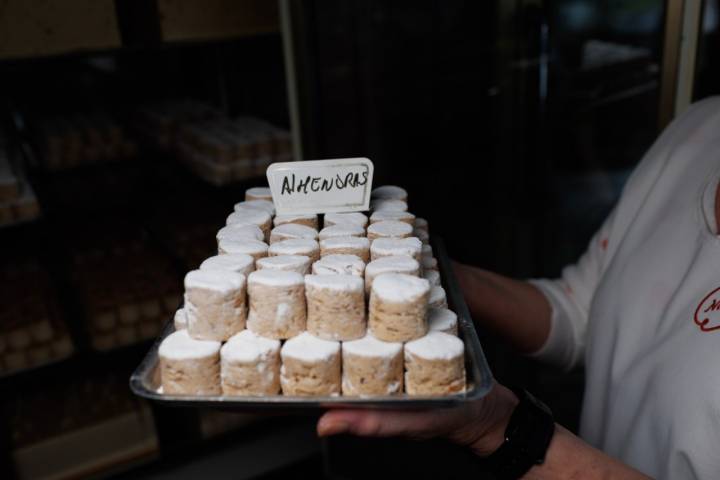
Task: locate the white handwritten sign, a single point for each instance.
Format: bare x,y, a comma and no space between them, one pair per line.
321,186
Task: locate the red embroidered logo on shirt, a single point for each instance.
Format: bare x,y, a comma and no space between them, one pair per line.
707,314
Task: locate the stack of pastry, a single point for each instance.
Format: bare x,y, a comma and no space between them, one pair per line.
355,308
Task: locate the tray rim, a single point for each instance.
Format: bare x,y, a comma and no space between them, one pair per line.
480,376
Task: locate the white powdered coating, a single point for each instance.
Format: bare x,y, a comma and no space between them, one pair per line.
436,346
295,230
369,346
391,216
421,224
248,247
389,192
181,346
385,205
394,264
294,263
399,287
390,229
264,205
339,264
247,347
410,246
426,251
441,319
432,276
354,218
216,280
238,231
233,262
260,193
309,348
283,219
275,278
180,320
437,294
249,216
345,242
342,283
342,230
293,246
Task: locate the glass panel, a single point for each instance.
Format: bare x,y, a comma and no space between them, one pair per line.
708,60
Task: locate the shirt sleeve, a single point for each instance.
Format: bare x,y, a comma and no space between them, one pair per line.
570,297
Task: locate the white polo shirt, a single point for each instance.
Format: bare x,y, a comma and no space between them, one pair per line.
641,310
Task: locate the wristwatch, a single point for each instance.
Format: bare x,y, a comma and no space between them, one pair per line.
527,438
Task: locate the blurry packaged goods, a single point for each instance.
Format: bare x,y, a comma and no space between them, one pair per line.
127,288
18,202
32,328
216,148
66,141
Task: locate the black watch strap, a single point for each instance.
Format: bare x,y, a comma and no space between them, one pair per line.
527,438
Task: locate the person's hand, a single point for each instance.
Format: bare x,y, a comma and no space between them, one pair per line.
479,425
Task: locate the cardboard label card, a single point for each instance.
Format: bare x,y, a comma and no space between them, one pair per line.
321,186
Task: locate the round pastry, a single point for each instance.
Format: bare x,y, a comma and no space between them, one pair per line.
388,247
309,220
231,262
339,264
19,338
252,216
214,304
240,231
437,297
129,314
393,264
354,218
250,365
291,231
389,192
435,365
429,263
341,230
336,306
385,205
311,366
442,320
41,331
303,246
265,205
258,193
398,307
372,367
127,334
289,263
432,276
189,366
392,216
254,248
359,246
426,251
422,235
180,319
277,303
62,346
389,229
422,224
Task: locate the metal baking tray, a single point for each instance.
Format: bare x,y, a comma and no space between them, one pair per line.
145,381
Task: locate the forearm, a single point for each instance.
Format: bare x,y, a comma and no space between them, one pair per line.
513,309
567,457
570,458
